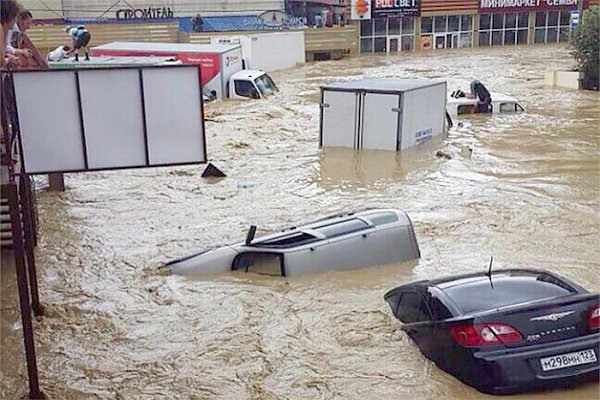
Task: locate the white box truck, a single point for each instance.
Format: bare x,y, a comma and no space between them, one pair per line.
219,66
268,51
382,114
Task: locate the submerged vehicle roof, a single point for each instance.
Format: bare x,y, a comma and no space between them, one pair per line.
494,95
250,74
167,47
481,291
331,226
341,241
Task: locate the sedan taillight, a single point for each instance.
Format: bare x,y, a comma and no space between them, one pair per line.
594,317
484,334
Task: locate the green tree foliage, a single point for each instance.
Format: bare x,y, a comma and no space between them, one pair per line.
585,41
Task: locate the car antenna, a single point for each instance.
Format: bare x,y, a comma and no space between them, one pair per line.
489,273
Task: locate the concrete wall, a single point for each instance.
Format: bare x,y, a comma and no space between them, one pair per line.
564,79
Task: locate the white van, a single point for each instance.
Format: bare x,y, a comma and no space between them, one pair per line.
251,84
501,103
342,241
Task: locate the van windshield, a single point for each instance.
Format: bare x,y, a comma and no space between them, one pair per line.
266,85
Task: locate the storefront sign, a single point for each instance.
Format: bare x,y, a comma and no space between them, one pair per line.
487,6
360,9
274,19
144,13
385,8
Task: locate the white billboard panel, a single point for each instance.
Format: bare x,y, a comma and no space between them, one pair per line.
48,112
112,114
109,118
173,116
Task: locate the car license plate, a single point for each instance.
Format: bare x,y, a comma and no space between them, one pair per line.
568,360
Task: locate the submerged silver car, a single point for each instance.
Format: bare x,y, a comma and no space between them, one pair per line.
342,241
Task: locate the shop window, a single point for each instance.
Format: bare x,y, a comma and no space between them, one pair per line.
394,26
510,21
456,31
540,36
540,19
408,43
408,26
523,20
440,23
552,36
466,23
552,27
466,39
375,34
484,38
485,22
497,21
426,25
380,45
503,29
496,38
366,27
453,23
366,45
380,26
509,37
522,36
440,42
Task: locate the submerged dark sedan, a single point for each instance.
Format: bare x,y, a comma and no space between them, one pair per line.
506,331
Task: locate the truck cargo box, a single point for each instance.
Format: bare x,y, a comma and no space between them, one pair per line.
217,62
268,51
382,114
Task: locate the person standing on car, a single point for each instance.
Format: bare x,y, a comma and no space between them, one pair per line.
483,96
80,38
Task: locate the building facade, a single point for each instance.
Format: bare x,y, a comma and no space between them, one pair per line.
144,9
392,26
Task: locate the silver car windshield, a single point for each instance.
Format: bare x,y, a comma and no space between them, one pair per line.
266,85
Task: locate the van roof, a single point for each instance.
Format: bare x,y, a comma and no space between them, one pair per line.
250,74
179,47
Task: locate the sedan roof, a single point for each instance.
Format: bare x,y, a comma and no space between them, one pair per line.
480,292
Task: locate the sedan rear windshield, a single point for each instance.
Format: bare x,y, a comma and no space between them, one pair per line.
478,294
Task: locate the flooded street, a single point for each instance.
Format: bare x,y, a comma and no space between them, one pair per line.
118,328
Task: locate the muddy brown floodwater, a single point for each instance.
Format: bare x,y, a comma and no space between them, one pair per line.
116,328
